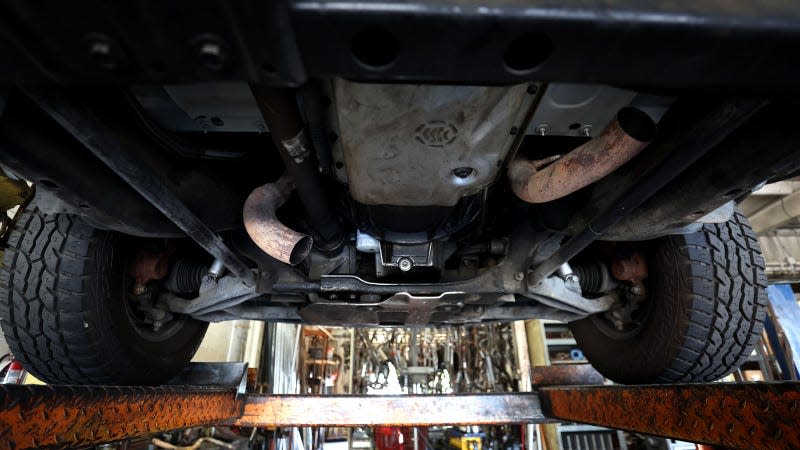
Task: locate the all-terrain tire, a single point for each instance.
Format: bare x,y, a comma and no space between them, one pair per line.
63,308
707,299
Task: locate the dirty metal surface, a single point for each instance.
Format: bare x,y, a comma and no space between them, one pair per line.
737,415
622,140
272,236
76,416
422,145
410,410
561,375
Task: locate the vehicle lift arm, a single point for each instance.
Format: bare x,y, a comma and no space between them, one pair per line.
737,415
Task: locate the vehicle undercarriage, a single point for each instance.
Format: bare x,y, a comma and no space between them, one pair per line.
340,163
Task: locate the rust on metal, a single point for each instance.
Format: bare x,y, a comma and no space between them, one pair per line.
150,264
737,415
76,416
565,375
410,410
275,238
13,192
631,268
622,140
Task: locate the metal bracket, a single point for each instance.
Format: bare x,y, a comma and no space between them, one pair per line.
214,295
399,309
566,296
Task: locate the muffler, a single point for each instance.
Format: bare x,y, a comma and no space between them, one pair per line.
622,140
264,228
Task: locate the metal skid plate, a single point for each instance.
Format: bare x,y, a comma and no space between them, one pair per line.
422,145
577,109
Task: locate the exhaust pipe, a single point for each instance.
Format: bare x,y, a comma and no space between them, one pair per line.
282,115
622,140
264,228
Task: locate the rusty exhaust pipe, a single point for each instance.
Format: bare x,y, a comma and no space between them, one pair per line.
622,140
264,228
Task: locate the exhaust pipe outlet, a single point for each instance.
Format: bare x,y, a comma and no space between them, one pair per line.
622,140
264,228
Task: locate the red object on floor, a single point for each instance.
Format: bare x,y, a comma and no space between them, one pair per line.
399,438
14,373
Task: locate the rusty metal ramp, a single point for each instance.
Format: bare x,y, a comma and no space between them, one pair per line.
737,415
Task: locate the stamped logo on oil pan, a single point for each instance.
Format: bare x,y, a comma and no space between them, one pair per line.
436,133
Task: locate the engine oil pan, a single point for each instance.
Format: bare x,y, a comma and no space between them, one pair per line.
425,145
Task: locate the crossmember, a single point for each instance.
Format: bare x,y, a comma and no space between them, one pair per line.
716,45
737,415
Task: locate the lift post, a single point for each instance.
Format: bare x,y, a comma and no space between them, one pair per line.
738,415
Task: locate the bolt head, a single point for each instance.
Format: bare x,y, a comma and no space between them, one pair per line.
211,51
405,264
103,51
519,276
100,48
543,129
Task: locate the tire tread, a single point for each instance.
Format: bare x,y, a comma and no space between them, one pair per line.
45,273
727,310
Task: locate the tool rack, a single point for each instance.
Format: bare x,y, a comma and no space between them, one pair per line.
738,415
